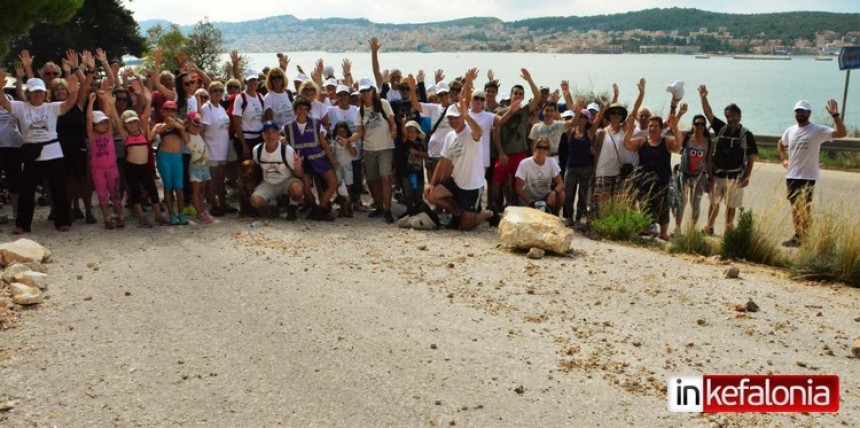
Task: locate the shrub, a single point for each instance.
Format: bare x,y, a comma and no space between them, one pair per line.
621,221
692,241
831,251
736,241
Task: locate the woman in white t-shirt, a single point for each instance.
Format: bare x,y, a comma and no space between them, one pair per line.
538,179
216,134
278,101
319,110
41,151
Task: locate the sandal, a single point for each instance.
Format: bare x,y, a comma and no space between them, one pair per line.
162,221
19,231
120,222
109,224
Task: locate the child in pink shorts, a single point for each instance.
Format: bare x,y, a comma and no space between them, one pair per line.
103,168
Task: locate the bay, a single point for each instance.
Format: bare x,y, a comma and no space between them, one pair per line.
765,90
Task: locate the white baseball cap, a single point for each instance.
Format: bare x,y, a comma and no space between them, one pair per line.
36,84
453,111
99,117
342,88
330,82
593,107
365,84
251,74
442,88
676,88
801,105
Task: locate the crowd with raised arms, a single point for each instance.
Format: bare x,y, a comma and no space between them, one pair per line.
450,153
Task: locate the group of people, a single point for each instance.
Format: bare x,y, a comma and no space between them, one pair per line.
434,146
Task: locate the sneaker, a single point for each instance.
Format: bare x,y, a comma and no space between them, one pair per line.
190,211
204,218
389,218
162,221
568,221
794,242
313,214
174,220
183,219
19,231
144,223
90,218
216,212
292,212
64,228
325,216
376,213
78,214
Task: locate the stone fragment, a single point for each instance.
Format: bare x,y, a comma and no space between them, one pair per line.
733,273
536,253
32,296
855,348
23,251
17,288
751,306
35,279
526,228
14,269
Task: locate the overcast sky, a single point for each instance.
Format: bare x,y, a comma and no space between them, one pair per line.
191,11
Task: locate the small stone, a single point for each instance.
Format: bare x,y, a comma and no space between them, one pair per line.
520,390
701,322
433,346
450,265
438,402
536,253
740,308
733,273
128,293
7,406
180,361
422,247
88,297
801,364
80,277
13,270
637,343
35,279
32,297
855,348
751,306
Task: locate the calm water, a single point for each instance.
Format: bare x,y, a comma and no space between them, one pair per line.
766,91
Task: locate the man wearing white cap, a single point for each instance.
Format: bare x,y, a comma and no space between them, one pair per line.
803,143
248,110
458,179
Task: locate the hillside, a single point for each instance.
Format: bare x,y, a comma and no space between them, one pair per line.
688,30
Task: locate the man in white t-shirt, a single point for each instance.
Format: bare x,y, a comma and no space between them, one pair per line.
279,177
803,143
549,129
457,182
487,120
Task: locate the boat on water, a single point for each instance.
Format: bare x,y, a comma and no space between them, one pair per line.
763,57
703,57
824,58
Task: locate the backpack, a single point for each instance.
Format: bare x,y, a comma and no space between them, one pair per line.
232,102
744,136
259,154
439,121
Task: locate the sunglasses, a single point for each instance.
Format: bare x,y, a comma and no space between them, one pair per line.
233,88
188,83
205,97
542,148
219,91
479,98
276,78
699,124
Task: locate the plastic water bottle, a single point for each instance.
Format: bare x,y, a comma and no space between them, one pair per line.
253,226
541,205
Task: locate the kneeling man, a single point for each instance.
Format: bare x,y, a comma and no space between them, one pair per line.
282,171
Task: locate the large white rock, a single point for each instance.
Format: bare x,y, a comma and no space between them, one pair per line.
14,269
526,228
23,251
34,279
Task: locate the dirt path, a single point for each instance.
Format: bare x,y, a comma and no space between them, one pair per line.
353,324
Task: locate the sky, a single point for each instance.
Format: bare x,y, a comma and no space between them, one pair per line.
413,11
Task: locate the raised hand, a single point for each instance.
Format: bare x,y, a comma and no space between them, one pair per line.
420,77
101,55
640,85
92,97
74,83
555,96
615,91
682,110
565,86
410,80
374,44
72,58
385,75
524,73
157,56
703,91
283,61
346,65
832,107
516,104
88,60
580,105
26,59
471,74
234,57
490,75
439,75
19,71
67,67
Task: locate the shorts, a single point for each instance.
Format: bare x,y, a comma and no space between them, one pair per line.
198,173
728,190
216,164
501,172
466,200
319,166
378,163
345,174
270,192
797,187
170,168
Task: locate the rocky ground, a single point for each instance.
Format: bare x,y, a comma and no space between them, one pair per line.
356,323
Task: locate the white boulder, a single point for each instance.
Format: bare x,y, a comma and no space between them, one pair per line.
23,251
526,228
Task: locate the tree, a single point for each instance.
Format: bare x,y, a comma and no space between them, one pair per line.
102,24
172,43
204,47
16,20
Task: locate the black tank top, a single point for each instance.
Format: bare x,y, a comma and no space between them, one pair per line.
655,163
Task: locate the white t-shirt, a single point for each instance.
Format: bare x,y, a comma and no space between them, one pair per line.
9,135
191,102
609,160
485,120
274,170
216,131
435,111
337,114
252,114
537,179
465,154
281,106
377,130
39,125
318,110
552,133
804,148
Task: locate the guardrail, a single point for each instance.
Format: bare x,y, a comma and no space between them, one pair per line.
840,145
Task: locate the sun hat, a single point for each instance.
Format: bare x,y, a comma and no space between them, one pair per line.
330,82
453,111
414,124
129,116
99,117
36,84
617,108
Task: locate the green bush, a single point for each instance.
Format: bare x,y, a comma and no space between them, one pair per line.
736,241
620,221
691,241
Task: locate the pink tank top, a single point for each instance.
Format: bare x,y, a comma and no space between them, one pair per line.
102,152
136,140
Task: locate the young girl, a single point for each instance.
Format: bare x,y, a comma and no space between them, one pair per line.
344,152
137,138
198,167
169,161
103,168
413,182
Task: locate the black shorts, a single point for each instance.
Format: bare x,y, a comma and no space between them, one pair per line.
796,187
466,200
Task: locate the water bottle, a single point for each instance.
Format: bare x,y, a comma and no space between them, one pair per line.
541,205
253,226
